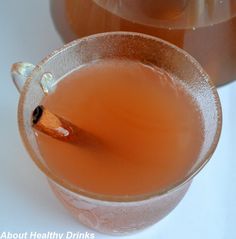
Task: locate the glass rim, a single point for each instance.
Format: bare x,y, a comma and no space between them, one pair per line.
120,198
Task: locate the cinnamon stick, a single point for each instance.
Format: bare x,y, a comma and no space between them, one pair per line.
55,126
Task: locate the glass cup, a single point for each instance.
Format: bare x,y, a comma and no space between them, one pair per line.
116,214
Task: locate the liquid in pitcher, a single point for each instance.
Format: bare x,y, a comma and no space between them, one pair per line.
205,29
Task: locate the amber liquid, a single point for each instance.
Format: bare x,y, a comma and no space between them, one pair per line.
205,29
150,126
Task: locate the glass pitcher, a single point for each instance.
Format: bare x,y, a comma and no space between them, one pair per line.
206,28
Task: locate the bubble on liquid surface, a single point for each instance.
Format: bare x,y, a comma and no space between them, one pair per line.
47,82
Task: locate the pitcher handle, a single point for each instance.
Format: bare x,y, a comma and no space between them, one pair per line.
20,71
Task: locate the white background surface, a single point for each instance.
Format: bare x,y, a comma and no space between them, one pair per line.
26,203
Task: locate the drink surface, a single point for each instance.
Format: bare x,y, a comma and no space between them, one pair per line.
205,29
150,125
